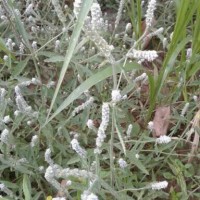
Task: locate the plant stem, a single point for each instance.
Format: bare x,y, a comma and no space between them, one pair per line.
111,146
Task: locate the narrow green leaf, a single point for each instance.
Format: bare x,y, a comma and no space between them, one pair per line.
54,59
20,67
137,162
111,191
27,187
72,44
86,85
120,138
38,196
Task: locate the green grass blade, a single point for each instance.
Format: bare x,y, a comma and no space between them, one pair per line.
137,162
27,187
93,80
119,133
185,11
72,44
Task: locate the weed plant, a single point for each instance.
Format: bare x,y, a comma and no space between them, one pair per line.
99,100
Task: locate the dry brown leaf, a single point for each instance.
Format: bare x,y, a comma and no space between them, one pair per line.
161,121
195,142
61,193
147,39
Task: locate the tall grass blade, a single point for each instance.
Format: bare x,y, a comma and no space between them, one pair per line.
93,80
72,44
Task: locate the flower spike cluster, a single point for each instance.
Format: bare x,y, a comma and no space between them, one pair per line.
102,128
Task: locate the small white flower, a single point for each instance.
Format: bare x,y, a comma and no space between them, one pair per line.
13,44
189,53
88,196
105,115
68,183
141,77
4,18
124,97
2,94
128,132
116,36
29,122
34,29
58,10
5,58
97,22
163,139
116,96
195,98
21,48
34,45
77,7
41,169
2,186
7,119
17,112
6,190
150,13
119,13
165,43
22,161
76,147
122,163
47,156
34,141
57,45
137,156
5,136
35,81
59,198
159,185
31,19
29,9
88,103
90,124
50,84
10,44
185,109
149,55
102,128
128,27
150,126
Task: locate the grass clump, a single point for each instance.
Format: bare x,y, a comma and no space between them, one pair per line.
99,101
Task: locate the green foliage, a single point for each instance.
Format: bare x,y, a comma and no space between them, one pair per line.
45,92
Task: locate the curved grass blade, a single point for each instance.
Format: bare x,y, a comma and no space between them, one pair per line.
93,80
72,44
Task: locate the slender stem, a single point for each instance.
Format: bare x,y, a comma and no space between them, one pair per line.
114,73
134,189
98,169
111,146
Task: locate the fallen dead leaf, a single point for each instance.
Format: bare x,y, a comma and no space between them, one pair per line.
195,142
61,193
161,121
